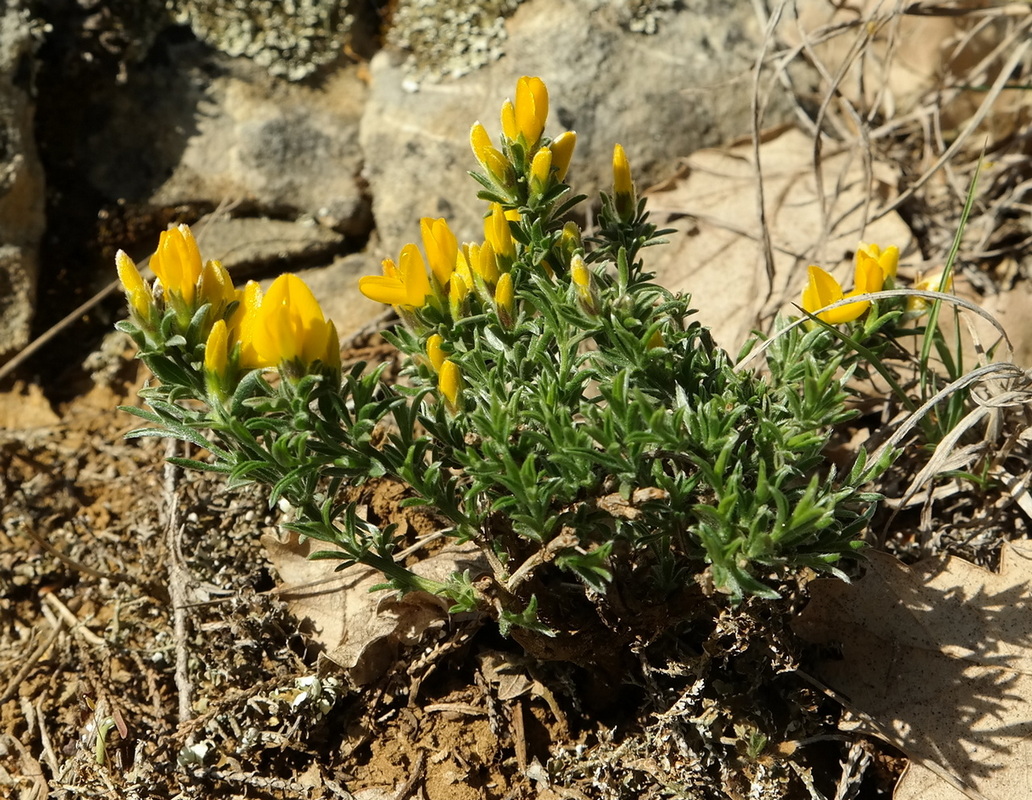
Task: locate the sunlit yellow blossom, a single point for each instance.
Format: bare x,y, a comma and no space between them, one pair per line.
505,299
483,262
449,381
499,235
241,324
509,129
215,286
562,153
540,170
623,187
136,290
441,247
405,285
290,327
490,158
216,350
457,291
928,283
177,263
435,352
823,290
888,259
331,353
531,108
581,277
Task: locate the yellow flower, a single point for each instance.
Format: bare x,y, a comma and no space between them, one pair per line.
289,326
887,259
491,159
504,299
623,187
216,352
215,287
137,291
531,109
435,352
928,283
482,262
441,247
540,170
457,291
823,290
582,280
177,263
509,129
562,153
449,381
406,285
242,322
499,235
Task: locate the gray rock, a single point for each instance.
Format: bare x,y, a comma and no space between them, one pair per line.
239,135
686,86
21,181
262,246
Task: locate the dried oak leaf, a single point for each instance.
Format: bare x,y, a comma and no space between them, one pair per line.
361,629
937,660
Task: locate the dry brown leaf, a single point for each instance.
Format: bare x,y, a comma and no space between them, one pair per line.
361,629
937,660
716,254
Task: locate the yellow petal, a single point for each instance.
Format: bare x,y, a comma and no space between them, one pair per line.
498,234
382,289
868,275
622,183
509,129
290,323
540,170
136,290
888,259
216,349
413,276
441,247
177,262
216,287
562,153
242,325
531,108
449,381
504,299
434,351
496,165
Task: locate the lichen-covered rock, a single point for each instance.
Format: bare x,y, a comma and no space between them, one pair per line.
688,84
21,180
448,38
290,38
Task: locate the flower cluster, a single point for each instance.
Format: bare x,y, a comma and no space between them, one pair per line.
191,313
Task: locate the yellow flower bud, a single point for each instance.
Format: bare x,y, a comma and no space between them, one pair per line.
505,301
562,153
509,129
582,280
435,352
483,262
177,263
457,291
137,291
241,324
531,108
216,352
623,187
929,283
499,235
540,170
449,381
491,159
215,287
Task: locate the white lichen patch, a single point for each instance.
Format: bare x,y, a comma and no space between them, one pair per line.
290,38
